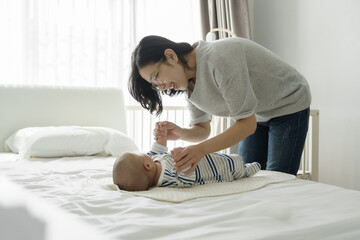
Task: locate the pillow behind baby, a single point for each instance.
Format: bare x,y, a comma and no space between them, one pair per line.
68,141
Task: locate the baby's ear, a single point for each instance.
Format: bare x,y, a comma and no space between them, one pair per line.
148,165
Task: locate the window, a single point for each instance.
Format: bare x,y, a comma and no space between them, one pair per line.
85,42
177,20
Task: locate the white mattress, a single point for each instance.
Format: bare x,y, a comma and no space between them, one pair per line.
290,210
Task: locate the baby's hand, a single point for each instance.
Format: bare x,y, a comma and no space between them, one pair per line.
175,151
160,134
167,129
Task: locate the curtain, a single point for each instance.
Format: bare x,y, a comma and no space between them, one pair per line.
234,16
229,14
67,42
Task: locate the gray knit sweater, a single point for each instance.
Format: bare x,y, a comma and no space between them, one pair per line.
236,78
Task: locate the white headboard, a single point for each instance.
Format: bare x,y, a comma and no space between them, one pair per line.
34,106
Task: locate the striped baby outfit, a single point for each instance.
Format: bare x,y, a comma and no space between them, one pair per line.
214,167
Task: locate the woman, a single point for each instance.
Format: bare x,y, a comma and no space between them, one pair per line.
234,77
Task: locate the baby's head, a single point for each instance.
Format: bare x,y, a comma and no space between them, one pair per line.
134,172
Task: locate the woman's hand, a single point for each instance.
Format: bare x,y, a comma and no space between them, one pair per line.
167,129
188,156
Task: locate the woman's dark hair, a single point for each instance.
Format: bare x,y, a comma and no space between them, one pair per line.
151,50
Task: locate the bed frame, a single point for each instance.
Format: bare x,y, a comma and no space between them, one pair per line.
52,106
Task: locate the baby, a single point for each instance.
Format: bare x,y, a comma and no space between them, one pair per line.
139,172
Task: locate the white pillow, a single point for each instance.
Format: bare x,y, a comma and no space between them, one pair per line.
68,141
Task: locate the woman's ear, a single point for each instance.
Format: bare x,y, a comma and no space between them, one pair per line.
170,55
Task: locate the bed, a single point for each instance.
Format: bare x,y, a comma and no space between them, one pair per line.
80,185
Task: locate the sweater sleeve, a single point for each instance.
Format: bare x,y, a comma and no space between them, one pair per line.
237,92
197,115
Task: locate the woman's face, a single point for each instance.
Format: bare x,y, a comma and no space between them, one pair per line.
166,74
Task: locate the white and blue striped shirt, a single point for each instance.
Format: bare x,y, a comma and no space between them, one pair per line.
211,168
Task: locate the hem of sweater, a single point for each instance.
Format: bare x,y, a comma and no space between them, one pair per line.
260,118
201,119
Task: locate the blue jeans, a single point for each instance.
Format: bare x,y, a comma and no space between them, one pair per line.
278,143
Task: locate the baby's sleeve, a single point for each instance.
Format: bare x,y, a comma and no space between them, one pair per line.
157,148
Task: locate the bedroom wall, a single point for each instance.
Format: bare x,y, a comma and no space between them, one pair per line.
322,40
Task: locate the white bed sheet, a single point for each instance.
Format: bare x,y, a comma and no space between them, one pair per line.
296,209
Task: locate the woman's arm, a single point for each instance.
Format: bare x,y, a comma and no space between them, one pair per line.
234,134
191,155
196,133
